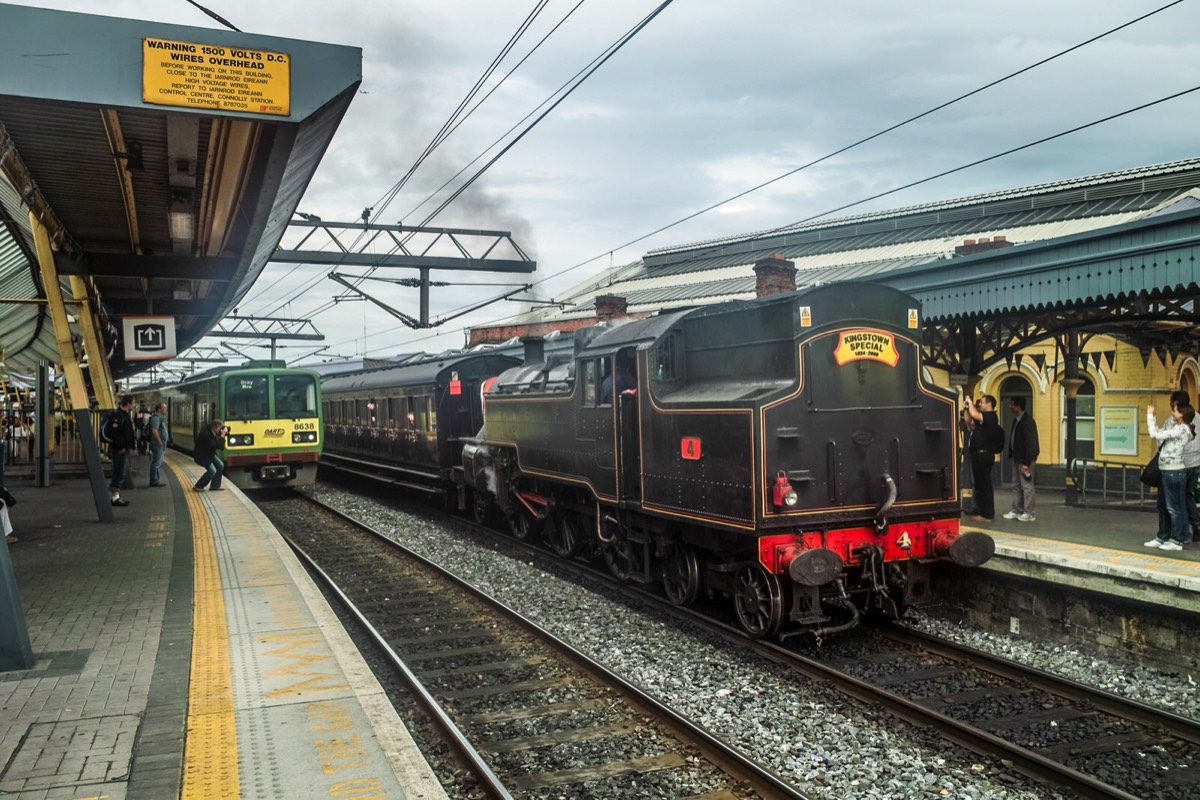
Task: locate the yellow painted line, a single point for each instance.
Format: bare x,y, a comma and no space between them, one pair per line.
210,758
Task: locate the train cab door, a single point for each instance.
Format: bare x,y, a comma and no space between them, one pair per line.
629,451
595,438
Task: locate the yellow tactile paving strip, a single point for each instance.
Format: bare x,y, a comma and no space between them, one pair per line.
210,760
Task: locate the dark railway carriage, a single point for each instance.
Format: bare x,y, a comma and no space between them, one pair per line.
408,421
786,451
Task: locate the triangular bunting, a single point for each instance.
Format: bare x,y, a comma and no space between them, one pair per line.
1020,358
1096,356
1110,357
1040,360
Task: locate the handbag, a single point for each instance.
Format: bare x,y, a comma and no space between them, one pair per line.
1151,476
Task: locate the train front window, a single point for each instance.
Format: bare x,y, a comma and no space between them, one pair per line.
246,398
295,396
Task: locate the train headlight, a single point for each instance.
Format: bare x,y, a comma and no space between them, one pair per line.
782,492
304,437
239,439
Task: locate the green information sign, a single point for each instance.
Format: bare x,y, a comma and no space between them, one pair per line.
1119,431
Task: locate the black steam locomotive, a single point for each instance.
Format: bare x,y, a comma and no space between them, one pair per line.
785,451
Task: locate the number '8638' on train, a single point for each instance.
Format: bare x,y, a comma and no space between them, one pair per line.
787,453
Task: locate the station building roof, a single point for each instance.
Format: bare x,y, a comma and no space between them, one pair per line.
165,162
869,246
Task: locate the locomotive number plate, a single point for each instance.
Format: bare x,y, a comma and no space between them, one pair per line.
689,448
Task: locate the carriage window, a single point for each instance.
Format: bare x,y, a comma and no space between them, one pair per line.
295,396
423,413
361,414
432,414
246,398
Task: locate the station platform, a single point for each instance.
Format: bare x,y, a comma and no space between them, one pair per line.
1099,548
183,652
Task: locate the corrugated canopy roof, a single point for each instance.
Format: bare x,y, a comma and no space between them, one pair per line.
165,210
867,246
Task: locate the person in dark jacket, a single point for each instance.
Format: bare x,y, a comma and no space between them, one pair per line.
986,440
122,441
207,454
1023,450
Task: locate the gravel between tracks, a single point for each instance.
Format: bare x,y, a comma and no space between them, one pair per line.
826,744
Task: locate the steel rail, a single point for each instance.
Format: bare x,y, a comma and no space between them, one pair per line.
723,755
476,762
1178,726
979,741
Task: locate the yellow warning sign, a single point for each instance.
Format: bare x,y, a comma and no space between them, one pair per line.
213,76
913,321
805,316
864,343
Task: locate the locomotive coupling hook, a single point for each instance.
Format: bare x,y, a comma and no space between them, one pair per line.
889,486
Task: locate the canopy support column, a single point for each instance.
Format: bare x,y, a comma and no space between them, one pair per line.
76,388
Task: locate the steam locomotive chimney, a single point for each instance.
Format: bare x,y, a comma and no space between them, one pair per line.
610,307
774,274
535,349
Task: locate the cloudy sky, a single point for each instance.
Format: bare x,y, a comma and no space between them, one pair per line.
710,99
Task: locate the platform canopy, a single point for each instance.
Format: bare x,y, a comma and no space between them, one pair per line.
163,161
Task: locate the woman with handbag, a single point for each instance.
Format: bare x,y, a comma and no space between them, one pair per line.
1173,529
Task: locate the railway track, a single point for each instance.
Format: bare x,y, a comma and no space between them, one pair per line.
1089,742
530,715
1098,743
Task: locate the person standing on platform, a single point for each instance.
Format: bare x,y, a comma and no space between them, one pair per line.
160,437
208,443
1023,449
1173,530
1191,455
986,440
139,424
122,442
1191,470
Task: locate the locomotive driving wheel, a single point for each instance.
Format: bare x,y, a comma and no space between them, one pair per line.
681,575
520,524
481,506
758,600
564,533
615,548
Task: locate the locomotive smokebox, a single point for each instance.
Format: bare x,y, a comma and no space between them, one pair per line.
972,548
815,567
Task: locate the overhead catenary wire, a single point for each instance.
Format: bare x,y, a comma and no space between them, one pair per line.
878,134
852,145
456,118
573,83
894,190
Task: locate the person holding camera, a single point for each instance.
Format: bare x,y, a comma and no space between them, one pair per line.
985,441
208,446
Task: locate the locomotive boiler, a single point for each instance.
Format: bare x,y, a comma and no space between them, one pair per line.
786,452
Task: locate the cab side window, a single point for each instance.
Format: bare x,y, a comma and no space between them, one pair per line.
590,386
